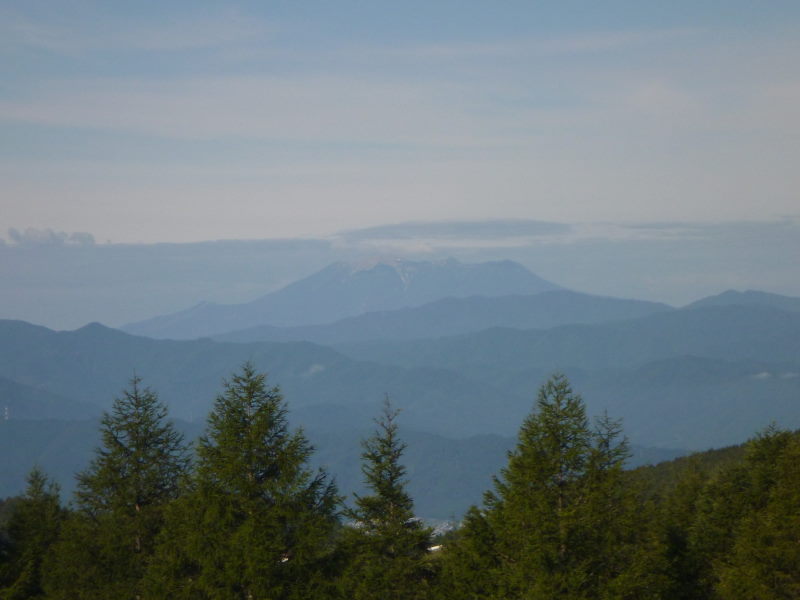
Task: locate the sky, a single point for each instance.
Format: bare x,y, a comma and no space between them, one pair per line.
186,121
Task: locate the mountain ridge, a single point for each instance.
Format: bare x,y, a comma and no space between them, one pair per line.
748,298
343,290
764,333
453,316
482,382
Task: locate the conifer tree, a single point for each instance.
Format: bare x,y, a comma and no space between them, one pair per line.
671,553
387,545
764,563
469,563
729,500
32,529
559,510
121,497
257,523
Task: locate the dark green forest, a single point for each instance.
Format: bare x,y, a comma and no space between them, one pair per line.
240,514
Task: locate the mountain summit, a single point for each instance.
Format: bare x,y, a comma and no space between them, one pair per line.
348,289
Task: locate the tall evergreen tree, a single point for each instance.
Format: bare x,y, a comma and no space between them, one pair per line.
559,511
121,499
764,563
388,546
258,522
32,529
728,500
470,564
672,554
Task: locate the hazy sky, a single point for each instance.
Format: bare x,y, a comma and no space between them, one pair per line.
179,121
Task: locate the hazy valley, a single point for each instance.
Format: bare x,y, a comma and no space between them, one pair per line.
459,348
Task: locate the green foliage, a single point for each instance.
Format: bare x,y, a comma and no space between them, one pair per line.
470,566
679,563
256,522
764,563
660,480
32,529
727,523
121,498
560,521
733,495
140,462
386,545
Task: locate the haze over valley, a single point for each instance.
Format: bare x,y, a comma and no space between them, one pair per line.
459,347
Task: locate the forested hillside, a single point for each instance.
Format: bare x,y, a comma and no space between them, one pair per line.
244,515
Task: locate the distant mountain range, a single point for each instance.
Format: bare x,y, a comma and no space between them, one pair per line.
326,389
463,369
470,384
344,290
453,316
730,332
19,401
749,298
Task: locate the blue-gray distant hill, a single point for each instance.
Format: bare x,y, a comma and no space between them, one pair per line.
446,475
690,378
452,316
734,332
326,389
686,378
19,401
343,290
749,298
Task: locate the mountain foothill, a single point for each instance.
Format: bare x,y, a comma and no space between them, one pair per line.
459,348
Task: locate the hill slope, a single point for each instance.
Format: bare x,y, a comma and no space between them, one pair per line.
680,379
452,316
326,389
722,332
749,298
18,401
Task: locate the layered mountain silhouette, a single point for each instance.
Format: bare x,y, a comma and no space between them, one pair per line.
749,298
732,332
482,382
344,290
709,374
19,401
453,316
326,389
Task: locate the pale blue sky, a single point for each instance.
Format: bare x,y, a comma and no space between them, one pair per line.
140,123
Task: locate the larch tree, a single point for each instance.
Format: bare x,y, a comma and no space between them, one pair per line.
32,529
387,545
559,511
121,497
258,522
728,502
764,562
470,564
